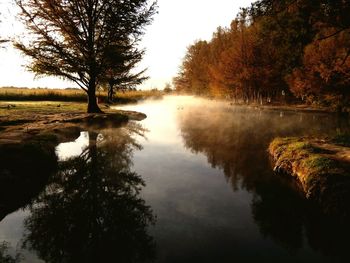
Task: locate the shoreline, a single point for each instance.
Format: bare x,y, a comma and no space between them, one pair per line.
303,108
277,106
296,108
321,166
28,143
24,126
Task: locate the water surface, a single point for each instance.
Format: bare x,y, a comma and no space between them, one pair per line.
191,183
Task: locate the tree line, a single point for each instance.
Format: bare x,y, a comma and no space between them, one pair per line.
289,50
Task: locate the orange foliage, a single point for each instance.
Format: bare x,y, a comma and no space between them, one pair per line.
301,48
326,69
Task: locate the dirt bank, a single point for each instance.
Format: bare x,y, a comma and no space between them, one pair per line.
28,138
22,126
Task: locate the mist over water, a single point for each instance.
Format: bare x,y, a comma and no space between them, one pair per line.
210,181
191,183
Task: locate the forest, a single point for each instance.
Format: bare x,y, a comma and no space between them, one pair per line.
289,51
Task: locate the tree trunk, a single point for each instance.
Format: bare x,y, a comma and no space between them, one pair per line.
92,102
110,93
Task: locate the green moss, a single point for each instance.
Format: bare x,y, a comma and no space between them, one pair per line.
318,164
299,148
291,148
280,144
281,141
323,176
300,158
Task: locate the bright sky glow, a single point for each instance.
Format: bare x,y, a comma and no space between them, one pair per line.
177,25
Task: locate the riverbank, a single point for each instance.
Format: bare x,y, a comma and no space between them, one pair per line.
321,166
53,121
293,108
283,107
29,134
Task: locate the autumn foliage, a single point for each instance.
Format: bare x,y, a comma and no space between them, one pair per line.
275,51
325,75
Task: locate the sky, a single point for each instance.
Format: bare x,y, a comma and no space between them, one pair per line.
178,24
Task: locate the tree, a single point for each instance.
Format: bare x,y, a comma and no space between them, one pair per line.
167,88
219,43
274,50
334,13
121,60
325,75
194,72
73,39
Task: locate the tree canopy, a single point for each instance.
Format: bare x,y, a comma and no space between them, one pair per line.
119,73
275,51
74,39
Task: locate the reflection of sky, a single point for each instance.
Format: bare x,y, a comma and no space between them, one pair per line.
68,150
161,118
11,231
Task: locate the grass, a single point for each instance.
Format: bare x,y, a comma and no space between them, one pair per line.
290,148
24,94
70,95
318,164
302,155
311,165
323,174
19,107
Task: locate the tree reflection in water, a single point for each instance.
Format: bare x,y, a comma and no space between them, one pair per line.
236,140
91,211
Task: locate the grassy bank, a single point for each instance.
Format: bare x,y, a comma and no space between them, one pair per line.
71,95
37,107
321,167
32,119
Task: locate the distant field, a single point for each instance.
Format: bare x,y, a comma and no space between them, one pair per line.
19,94
71,95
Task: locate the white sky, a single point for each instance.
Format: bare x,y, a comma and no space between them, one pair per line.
177,25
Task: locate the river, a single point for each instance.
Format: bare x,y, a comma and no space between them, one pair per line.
193,182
